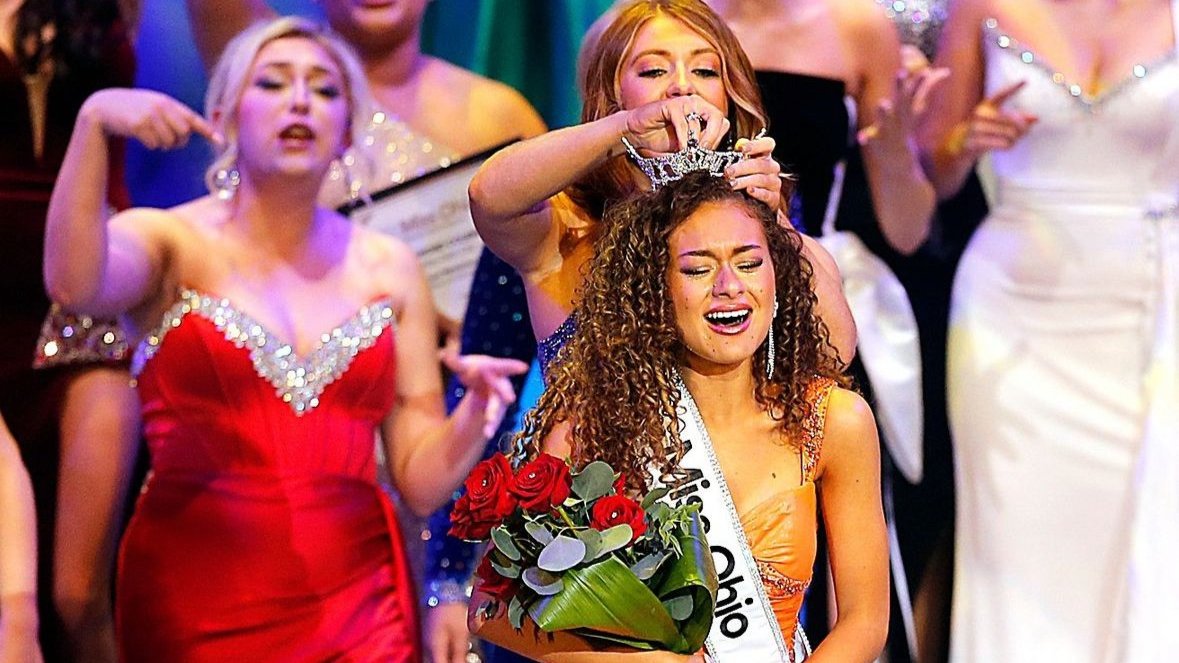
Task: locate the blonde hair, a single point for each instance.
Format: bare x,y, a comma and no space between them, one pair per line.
600,63
231,76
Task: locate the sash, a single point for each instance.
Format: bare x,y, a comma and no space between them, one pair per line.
744,627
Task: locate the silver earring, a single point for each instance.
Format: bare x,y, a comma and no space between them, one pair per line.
226,181
770,344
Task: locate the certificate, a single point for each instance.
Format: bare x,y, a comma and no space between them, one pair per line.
432,214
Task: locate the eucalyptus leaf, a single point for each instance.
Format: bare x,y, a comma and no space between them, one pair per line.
503,543
680,607
508,570
654,496
615,538
592,539
563,552
596,480
542,582
539,532
498,557
647,566
516,613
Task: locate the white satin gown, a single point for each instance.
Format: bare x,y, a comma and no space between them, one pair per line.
1062,376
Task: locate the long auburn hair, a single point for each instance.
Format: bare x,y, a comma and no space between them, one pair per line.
600,62
614,383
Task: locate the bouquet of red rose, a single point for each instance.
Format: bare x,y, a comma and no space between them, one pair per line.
572,553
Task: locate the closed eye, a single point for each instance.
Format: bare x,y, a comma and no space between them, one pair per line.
267,83
328,91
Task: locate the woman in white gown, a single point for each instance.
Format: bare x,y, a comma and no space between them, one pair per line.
1062,359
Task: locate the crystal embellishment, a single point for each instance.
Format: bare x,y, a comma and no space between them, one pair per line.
663,170
1091,103
298,382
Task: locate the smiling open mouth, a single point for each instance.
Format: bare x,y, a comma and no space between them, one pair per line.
727,318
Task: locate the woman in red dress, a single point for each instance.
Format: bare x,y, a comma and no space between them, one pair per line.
277,339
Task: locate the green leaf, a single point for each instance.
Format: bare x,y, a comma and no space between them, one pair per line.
653,497
563,552
615,538
694,574
542,582
516,613
592,539
538,532
658,512
594,481
647,566
503,543
607,598
508,571
680,607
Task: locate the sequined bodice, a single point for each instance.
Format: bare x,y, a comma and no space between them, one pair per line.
221,394
1121,142
550,346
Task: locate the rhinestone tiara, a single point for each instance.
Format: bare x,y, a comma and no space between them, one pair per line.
668,168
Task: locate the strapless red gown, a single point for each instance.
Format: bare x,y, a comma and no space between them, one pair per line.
261,534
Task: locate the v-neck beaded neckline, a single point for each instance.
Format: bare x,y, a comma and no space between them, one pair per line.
1008,44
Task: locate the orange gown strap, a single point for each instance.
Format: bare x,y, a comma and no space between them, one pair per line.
818,395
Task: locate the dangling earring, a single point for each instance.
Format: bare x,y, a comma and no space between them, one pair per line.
357,193
226,181
770,344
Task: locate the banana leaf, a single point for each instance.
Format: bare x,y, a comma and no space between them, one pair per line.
607,602
693,574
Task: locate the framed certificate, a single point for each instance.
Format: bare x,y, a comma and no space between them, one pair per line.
432,214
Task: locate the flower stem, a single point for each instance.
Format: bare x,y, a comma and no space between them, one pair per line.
565,517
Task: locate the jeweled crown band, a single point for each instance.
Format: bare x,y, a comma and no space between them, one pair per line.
665,169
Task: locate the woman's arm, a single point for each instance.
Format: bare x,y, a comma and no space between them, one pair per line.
961,125
430,453
511,193
832,305
88,267
215,22
849,485
18,557
902,197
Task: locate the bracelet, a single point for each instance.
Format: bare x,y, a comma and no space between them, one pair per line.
440,592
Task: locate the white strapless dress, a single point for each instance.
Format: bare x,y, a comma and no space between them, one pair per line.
1063,391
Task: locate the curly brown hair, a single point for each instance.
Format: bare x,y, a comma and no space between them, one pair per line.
614,383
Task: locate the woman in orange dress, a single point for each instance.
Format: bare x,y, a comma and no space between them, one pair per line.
698,315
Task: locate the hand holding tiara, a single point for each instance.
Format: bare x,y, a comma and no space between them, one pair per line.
665,125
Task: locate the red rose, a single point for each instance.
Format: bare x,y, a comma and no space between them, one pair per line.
492,583
489,486
466,525
620,484
618,510
543,484
487,502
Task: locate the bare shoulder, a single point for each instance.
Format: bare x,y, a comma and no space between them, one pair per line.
871,33
849,435
502,112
